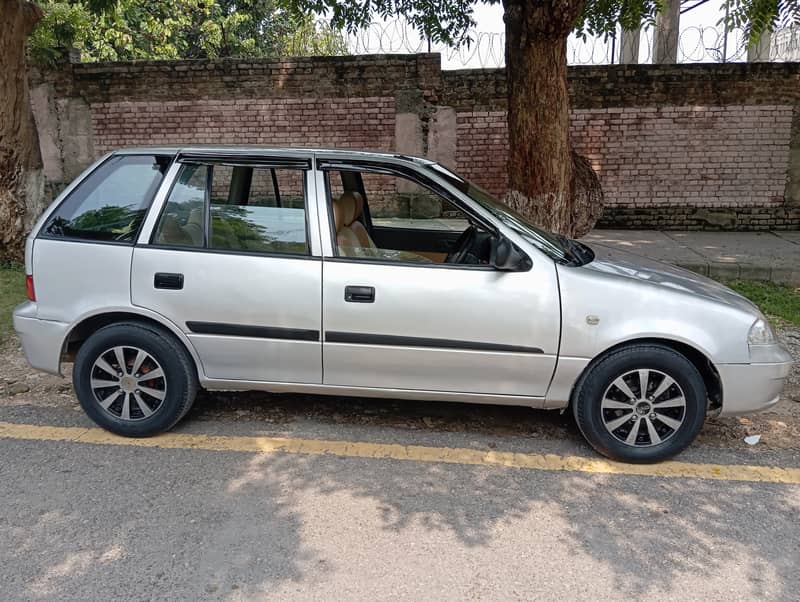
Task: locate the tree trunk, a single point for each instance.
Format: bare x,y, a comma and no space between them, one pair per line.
20,160
547,181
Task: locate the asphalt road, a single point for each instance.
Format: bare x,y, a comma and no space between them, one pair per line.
104,521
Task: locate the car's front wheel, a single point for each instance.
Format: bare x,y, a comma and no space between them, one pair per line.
641,403
134,380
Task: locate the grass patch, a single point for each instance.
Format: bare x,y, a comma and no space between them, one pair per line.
778,300
12,292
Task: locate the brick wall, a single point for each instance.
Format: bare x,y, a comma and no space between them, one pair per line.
675,146
691,155
482,147
701,156
347,123
680,146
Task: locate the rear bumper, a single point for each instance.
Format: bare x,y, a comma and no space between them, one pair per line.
41,339
748,388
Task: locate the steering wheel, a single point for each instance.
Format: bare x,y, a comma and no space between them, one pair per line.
462,246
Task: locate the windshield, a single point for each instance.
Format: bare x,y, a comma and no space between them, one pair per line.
556,246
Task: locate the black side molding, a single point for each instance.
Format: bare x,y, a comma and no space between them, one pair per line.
357,338
254,332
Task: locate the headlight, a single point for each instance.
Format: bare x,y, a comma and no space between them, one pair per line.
760,333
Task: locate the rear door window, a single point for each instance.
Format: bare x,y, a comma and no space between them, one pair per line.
251,209
263,216
111,203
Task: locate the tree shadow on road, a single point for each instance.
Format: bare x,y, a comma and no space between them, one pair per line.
132,522
106,523
641,535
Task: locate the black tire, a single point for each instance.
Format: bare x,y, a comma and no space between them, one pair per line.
179,381
599,379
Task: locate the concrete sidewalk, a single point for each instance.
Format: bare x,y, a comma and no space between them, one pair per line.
773,256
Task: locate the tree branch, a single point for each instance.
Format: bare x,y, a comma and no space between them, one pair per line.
31,15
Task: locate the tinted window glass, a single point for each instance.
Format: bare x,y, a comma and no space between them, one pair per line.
395,203
182,222
111,203
264,210
255,209
398,202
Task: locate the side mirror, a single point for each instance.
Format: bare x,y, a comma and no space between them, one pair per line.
506,257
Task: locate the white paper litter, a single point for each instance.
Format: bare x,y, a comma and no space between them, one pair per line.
752,439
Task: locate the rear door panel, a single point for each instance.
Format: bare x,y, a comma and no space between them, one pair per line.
269,308
250,316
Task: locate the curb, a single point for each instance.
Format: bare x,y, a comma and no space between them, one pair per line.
744,271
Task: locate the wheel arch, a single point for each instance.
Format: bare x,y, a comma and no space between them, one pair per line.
698,358
87,325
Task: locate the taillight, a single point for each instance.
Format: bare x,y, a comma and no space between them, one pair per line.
29,287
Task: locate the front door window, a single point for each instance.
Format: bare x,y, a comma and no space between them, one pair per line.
392,217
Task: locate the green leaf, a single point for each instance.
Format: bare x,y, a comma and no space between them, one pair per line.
151,29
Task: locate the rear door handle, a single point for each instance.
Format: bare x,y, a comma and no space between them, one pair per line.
173,282
359,294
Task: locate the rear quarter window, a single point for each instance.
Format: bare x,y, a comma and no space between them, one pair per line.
111,203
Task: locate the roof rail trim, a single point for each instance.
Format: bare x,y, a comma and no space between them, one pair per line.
240,158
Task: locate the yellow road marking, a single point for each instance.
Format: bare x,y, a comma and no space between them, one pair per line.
414,453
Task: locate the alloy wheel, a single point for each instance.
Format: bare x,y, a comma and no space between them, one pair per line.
128,383
643,407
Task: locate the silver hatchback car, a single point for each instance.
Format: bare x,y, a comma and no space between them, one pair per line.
161,270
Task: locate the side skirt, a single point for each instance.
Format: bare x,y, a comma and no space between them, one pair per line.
410,394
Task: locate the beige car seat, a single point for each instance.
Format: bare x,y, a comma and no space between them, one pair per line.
171,232
350,233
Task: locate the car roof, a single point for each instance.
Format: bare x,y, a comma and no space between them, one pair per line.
334,153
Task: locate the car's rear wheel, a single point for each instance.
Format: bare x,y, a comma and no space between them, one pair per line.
641,403
134,380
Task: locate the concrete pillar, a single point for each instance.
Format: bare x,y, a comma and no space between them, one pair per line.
759,52
408,134
665,36
442,136
47,126
408,140
75,133
629,46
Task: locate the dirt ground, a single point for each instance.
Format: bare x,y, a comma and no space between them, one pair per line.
779,427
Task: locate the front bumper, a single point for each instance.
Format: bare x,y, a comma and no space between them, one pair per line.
41,339
754,387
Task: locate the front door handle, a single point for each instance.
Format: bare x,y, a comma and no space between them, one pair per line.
173,282
359,294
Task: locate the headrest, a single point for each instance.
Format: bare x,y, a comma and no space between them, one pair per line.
359,203
347,208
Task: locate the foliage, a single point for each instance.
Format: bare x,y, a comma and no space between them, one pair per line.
450,22
238,227
600,17
111,222
778,300
446,22
312,39
63,25
152,29
118,30
758,16
12,292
